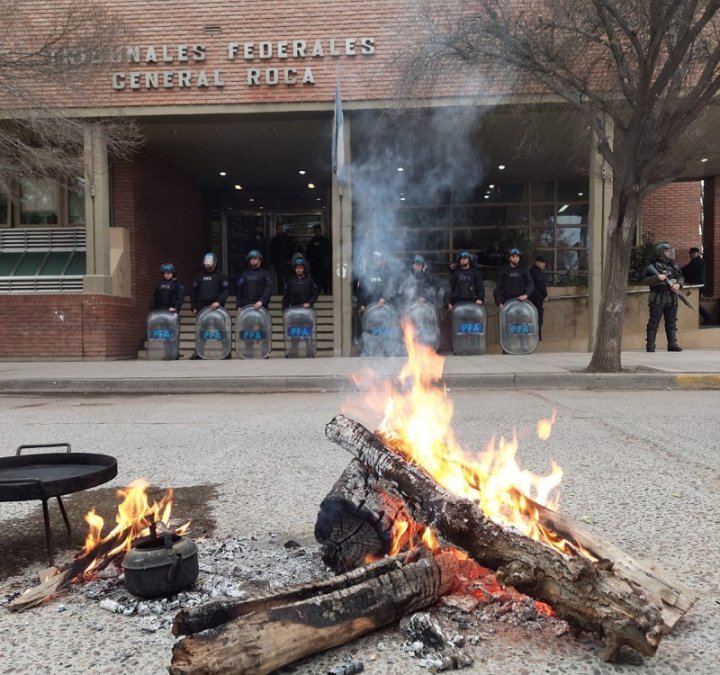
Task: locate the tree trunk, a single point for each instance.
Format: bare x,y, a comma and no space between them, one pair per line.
624,215
588,594
269,638
357,519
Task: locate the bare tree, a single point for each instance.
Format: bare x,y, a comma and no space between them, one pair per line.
49,54
644,73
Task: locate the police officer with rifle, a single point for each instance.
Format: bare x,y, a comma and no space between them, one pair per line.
665,280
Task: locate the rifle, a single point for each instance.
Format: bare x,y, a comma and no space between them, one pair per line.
669,284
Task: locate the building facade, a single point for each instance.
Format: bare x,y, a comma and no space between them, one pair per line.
236,103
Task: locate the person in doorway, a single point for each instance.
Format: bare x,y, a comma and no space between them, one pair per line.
694,275
282,248
419,285
169,293
257,241
254,286
319,256
514,281
466,282
540,292
665,280
210,288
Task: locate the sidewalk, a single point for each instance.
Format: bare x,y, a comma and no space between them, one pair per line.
690,369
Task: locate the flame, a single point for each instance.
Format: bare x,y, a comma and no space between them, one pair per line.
417,414
133,519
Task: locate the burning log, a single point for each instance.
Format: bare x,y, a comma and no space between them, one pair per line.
357,519
268,636
590,594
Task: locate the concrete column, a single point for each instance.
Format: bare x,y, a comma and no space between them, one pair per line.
711,235
600,195
97,212
342,254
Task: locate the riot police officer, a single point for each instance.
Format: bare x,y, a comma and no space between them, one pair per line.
419,285
466,282
170,293
376,285
210,288
513,281
300,290
254,286
665,280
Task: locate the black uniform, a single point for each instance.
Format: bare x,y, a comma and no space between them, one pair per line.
209,287
253,285
512,283
319,256
168,294
300,290
418,285
537,297
282,248
662,301
694,271
376,284
466,285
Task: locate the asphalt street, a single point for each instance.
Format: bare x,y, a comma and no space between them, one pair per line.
641,469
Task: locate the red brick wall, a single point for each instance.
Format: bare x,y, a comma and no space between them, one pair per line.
163,212
674,214
67,326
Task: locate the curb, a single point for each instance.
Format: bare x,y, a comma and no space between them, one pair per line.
340,384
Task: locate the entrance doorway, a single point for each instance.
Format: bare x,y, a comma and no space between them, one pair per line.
233,233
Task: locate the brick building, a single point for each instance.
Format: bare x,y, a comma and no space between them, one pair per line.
236,103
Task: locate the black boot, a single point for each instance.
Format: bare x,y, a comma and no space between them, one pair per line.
673,346
650,340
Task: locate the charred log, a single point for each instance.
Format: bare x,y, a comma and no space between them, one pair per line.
357,518
588,594
267,638
215,613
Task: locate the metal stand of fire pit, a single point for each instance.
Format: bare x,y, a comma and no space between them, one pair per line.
47,475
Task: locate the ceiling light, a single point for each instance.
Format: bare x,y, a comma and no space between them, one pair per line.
402,199
580,194
317,199
223,173
563,207
492,186
487,196
251,199
311,186
501,167
238,187
401,168
302,172
704,159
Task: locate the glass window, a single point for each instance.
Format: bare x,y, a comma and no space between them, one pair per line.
573,191
39,201
542,192
76,201
4,210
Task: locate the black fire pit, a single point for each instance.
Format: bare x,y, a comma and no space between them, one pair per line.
52,474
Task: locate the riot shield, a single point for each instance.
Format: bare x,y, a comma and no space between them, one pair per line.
299,325
253,333
213,334
468,329
163,335
518,327
380,331
424,318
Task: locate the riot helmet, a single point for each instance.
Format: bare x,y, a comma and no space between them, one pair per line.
298,260
664,250
167,267
209,260
254,254
419,260
463,254
514,251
